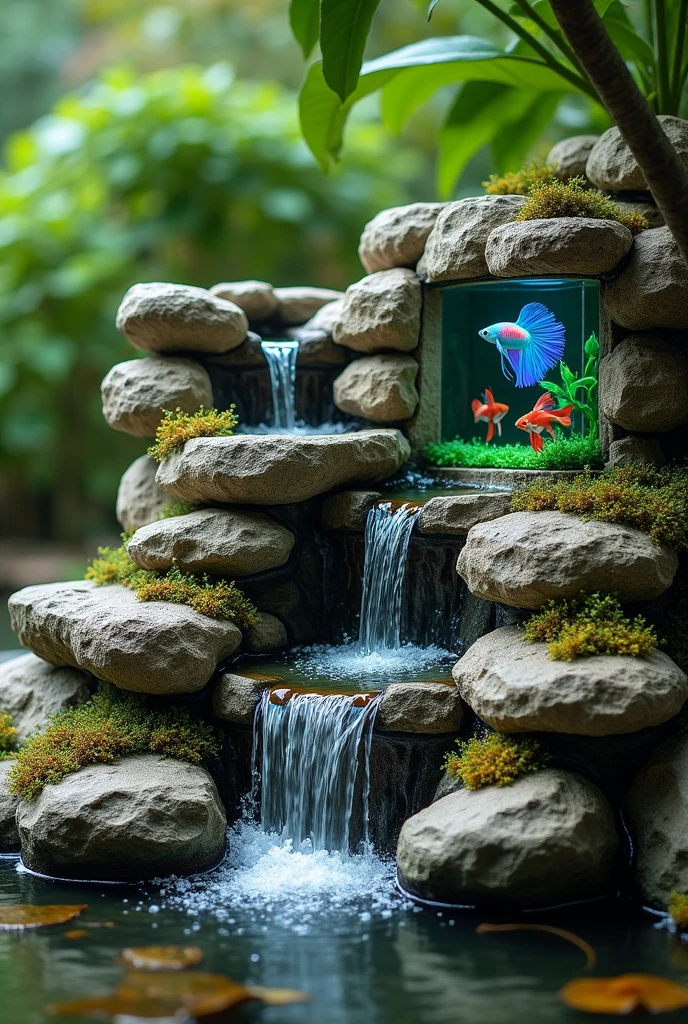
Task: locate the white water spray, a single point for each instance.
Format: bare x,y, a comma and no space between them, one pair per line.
281,358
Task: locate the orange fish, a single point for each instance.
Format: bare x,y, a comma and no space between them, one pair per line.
543,415
489,412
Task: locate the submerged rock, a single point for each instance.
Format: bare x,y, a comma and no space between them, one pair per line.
547,838
159,317
275,470
380,388
142,817
557,245
139,499
644,384
652,289
146,646
381,311
9,834
419,707
222,541
397,237
527,558
613,168
256,298
32,691
515,686
455,249
658,818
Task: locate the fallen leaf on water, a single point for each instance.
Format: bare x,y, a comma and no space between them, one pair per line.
161,958
590,954
78,933
278,996
24,915
168,994
624,994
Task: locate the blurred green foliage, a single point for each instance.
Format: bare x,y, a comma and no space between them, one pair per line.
183,175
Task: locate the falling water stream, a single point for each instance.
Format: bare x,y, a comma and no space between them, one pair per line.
281,357
387,537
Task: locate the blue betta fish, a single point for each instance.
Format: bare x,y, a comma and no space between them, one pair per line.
531,346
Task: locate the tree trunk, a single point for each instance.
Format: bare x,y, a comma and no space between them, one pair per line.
666,176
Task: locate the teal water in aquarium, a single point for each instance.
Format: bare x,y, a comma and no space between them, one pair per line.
332,926
470,364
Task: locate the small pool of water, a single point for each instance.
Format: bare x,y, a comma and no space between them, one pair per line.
417,487
335,928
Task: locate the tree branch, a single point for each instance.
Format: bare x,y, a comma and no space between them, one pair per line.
666,176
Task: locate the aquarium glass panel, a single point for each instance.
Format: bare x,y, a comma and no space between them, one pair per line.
470,363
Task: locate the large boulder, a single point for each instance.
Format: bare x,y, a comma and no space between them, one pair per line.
268,470
557,245
547,838
296,305
139,499
147,646
214,540
455,249
515,686
159,317
652,289
419,707
256,298
527,558
612,167
379,388
657,809
9,834
397,237
570,156
140,818
136,393
33,690
457,514
644,384
381,311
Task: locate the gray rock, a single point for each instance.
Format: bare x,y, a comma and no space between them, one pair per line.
557,245
457,514
158,317
32,691
570,156
397,237
455,249
380,388
256,298
647,210
140,818
515,686
644,385
612,167
266,637
297,305
547,838
326,318
381,311
629,450
139,499
147,646
652,290
9,834
236,696
275,470
423,707
448,784
527,558
214,540
136,393
348,510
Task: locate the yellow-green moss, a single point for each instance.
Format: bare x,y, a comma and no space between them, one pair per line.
111,725
678,908
572,198
495,760
519,183
652,500
589,624
176,428
177,508
217,598
8,736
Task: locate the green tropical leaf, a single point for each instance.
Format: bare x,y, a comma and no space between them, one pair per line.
592,345
344,28
566,375
304,18
516,138
630,45
554,389
585,382
601,6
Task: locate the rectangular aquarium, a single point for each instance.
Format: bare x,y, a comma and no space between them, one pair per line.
473,365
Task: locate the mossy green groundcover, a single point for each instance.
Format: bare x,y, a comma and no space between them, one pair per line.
572,452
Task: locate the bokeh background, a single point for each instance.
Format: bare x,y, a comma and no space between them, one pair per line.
160,141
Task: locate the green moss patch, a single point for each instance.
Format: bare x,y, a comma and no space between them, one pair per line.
572,452
176,428
494,760
8,737
572,198
589,624
519,183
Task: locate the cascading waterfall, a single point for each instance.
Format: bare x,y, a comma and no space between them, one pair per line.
281,358
387,538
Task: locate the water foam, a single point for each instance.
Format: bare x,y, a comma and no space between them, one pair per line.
346,663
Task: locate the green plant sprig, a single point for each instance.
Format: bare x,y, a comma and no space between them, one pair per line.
495,760
567,392
178,427
589,624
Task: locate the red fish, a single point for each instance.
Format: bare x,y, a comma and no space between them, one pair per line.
543,415
489,412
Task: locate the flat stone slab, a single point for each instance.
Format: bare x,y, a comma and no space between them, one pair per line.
515,686
527,558
136,393
557,245
457,514
213,540
139,499
32,691
419,707
161,317
143,817
547,838
146,646
275,470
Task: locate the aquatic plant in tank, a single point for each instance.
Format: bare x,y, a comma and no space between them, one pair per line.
519,374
